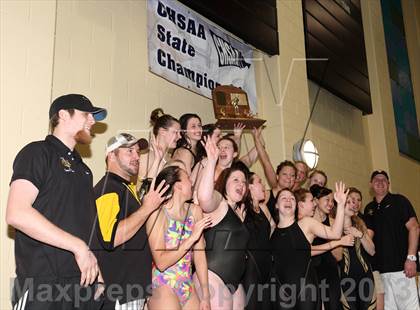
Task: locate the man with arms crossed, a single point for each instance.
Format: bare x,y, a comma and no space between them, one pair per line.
51,205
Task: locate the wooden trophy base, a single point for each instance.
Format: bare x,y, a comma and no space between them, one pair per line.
250,123
231,107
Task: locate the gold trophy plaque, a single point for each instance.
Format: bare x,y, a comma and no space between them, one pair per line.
231,107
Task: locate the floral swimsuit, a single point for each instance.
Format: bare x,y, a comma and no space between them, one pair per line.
179,276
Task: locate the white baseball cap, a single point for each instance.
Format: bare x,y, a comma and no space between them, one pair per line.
124,140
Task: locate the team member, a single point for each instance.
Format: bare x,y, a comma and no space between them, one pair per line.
304,203
51,206
283,177
165,134
227,238
209,131
260,226
302,170
229,151
125,256
325,264
175,235
291,245
318,177
393,223
186,147
356,273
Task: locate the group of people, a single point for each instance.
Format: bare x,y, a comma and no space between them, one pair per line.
181,222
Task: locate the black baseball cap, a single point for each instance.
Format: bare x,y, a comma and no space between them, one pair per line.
376,172
78,102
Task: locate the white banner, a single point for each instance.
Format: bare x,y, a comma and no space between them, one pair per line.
186,50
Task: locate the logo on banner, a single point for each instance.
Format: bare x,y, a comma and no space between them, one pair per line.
228,55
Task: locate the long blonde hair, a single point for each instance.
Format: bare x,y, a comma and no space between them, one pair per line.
356,221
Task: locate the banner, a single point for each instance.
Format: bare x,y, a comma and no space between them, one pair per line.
188,51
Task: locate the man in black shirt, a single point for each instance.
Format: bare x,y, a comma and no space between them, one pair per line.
124,256
51,205
392,221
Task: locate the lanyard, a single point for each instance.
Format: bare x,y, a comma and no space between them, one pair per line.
132,188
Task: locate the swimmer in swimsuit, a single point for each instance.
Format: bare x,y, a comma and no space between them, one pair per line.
186,147
162,140
179,275
227,239
175,238
295,280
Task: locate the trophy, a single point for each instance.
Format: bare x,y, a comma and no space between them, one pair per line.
231,107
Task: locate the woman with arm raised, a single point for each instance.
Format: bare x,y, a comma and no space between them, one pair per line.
291,246
281,178
229,151
326,264
227,238
356,273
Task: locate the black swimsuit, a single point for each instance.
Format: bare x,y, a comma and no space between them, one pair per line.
357,279
326,267
271,204
195,161
226,245
296,283
259,261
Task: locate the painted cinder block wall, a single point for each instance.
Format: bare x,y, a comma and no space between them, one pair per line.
99,48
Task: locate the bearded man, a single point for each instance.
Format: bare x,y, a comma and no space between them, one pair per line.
124,253
51,205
